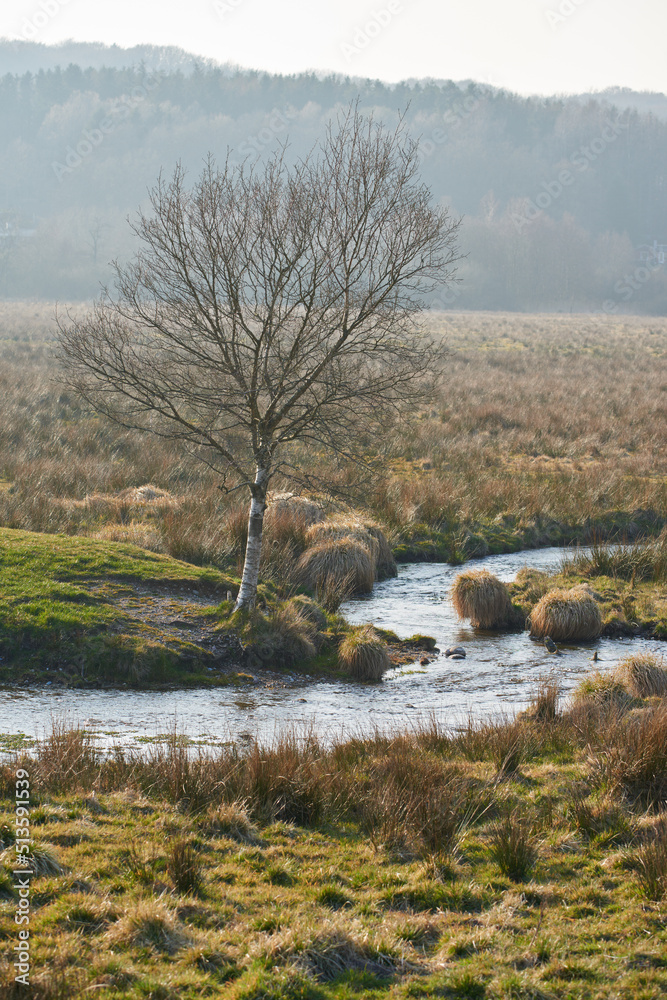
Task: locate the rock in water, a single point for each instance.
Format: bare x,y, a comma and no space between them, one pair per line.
458,651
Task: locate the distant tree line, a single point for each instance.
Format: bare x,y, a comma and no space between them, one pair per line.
557,194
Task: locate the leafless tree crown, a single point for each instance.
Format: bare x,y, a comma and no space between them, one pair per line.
272,303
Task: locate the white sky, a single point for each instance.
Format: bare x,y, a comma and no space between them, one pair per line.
530,46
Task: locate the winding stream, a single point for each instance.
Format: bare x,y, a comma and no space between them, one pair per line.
499,675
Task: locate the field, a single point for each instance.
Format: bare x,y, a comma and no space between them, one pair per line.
549,429
514,860
510,861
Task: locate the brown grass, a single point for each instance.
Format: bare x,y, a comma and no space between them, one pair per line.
528,432
483,598
365,532
339,559
363,654
566,616
643,675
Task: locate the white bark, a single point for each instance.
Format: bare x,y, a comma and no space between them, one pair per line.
248,590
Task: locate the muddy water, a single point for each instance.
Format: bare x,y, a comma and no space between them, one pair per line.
498,675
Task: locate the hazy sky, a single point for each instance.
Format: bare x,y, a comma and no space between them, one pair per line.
532,46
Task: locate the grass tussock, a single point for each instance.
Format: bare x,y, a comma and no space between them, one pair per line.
566,616
650,865
513,845
644,558
337,561
149,923
642,675
363,654
483,598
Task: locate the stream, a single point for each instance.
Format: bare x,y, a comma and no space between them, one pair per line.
498,676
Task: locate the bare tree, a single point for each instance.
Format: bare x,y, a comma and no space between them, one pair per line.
272,304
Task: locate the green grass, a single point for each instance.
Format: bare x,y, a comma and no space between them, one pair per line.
629,607
71,611
313,909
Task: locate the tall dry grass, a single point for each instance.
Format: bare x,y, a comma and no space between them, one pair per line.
566,616
534,426
483,598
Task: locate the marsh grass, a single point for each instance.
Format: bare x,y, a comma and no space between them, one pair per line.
650,865
483,598
363,654
530,444
392,863
183,866
566,616
514,846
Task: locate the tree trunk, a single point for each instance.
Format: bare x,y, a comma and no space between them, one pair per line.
248,592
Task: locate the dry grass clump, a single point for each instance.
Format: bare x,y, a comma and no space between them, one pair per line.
566,615
630,755
309,609
337,560
650,865
282,637
362,530
642,675
329,951
363,654
135,533
303,510
231,819
149,923
513,845
604,691
184,866
483,598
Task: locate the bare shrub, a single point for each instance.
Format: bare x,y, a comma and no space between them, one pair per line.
483,598
566,616
363,654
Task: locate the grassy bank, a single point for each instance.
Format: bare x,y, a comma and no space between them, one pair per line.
80,611
628,582
522,859
87,612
